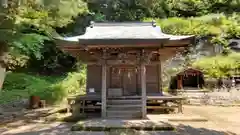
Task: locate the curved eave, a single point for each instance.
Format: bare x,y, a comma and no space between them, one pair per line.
124,41
75,42
176,41
63,41
101,43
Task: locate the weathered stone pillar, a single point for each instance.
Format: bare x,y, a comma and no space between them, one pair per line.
143,86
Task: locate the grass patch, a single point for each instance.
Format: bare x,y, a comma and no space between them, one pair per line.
52,89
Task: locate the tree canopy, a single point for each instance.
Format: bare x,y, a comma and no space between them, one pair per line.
27,26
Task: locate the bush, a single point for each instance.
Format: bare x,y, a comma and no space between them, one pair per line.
208,25
74,83
219,66
52,89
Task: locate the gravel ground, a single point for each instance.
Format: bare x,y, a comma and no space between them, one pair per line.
214,98
222,121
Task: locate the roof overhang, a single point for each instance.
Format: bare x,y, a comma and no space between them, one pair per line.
124,43
122,35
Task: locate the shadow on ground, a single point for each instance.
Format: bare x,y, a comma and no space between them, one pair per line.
64,129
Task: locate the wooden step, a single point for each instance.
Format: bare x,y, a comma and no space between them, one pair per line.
138,116
124,113
125,106
122,102
114,108
126,97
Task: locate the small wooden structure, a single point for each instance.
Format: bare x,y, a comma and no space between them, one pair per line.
188,78
124,63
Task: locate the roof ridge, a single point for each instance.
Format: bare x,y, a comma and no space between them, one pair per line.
123,24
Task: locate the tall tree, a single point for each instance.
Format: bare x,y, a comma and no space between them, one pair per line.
40,16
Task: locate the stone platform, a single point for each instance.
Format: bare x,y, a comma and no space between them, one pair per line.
115,124
177,117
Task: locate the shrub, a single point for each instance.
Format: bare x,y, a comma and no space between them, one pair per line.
219,66
19,85
74,83
208,25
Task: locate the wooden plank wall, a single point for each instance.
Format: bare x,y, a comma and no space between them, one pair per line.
131,84
94,77
152,78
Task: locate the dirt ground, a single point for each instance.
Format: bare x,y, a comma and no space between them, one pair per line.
221,121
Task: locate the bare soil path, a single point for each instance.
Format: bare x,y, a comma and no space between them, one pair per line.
222,121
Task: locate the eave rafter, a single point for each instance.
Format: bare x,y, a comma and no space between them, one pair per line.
125,55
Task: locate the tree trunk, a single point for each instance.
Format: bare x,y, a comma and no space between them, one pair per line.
3,54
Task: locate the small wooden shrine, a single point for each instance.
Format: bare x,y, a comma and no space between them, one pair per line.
124,60
188,78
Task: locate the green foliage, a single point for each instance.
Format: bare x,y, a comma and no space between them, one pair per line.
209,25
52,62
26,26
131,10
188,8
50,13
217,27
19,85
74,83
30,44
122,10
52,89
219,66
28,30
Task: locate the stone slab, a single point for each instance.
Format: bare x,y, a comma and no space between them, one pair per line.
177,117
115,124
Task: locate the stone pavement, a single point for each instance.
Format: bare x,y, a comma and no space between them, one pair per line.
64,129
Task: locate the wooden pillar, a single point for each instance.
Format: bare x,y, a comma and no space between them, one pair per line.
143,88
179,81
104,89
198,84
159,74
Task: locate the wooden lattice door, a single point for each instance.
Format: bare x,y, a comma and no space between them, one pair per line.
130,81
124,78
116,76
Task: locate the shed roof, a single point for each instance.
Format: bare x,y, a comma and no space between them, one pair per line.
190,70
127,33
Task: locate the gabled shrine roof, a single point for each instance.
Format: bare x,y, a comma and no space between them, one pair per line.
142,30
127,33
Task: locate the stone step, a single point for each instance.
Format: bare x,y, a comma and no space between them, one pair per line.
124,125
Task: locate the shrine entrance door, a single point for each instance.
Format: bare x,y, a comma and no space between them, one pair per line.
124,78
